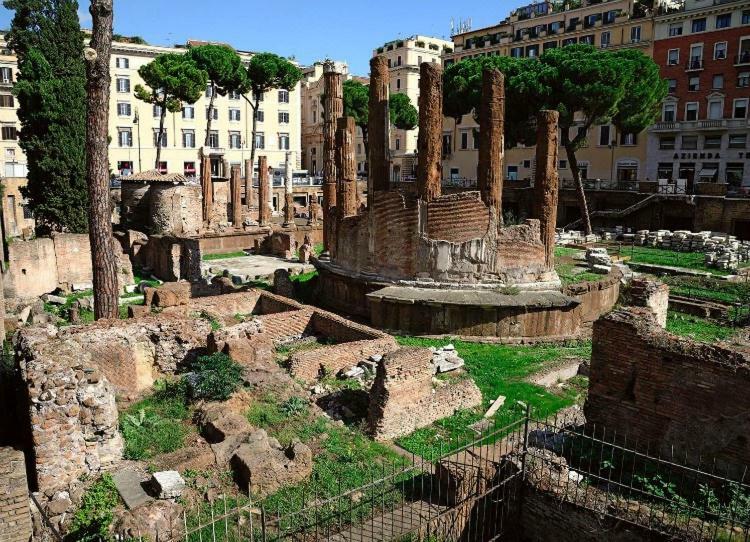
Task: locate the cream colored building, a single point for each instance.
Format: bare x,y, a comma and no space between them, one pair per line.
528,32
404,57
312,90
133,124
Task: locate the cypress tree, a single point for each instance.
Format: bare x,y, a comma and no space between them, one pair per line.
51,89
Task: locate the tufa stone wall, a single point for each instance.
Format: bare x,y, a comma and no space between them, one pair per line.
670,393
402,398
653,295
175,209
15,518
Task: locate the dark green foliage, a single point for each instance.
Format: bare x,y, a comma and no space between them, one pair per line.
46,36
404,115
92,520
216,377
268,71
222,65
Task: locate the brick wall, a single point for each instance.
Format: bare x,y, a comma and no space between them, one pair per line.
670,393
73,259
32,268
597,298
15,518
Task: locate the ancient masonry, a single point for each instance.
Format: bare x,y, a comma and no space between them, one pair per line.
264,190
288,193
207,186
333,108
236,190
346,168
491,147
15,518
545,181
429,143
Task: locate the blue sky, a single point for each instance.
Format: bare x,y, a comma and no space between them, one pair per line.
306,29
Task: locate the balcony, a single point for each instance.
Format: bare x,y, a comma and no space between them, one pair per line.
666,126
742,59
694,64
712,124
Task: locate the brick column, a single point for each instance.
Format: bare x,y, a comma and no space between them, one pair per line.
264,190
15,516
491,126
545,181
236,196
333,108
208,191
429,143
249,183
346,167
288,192
378,129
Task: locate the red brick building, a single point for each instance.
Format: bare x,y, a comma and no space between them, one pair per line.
703,50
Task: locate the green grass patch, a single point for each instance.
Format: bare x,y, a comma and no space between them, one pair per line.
92,521
158,423
497,370
223,255
561,252
709,289
699,329
672,258
571,274
304,286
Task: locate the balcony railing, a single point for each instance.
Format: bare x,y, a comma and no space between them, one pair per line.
603,184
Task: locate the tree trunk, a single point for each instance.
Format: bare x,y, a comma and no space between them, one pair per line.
161,133
103,256
585,219
210,113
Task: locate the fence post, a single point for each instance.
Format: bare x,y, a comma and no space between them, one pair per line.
525,448
263,522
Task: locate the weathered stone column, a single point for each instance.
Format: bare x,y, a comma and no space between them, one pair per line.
491,143
346,167
333,108
236,197
378,128
249,183
545,181
264,190
208,190
288,192
429,142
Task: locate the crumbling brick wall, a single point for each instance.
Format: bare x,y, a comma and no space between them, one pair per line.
15,518
673,394
403,399
653,295
597,298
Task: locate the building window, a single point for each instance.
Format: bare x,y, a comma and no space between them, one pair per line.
188,112
9,133
724,20
673,57
694,83
189,169
715,108
156,111
123,84
235,95
124,137
259,115
283,117
605,39
549,45
744,56
212,112
696,56
712,142
635,34
188,139
743,79
6,100
720,50
260,140
734,173
604,135
464,140
163,138
672,85
259,97
740,108
689,143
675,29
569,41
512,173
563,164
746,16
668,113
516,52
699,25
398,144
213,139
235,115
628,139
6,75
691,111
125,167
123,109
666,143
235,140
717,81
283,96
737,141
527,164
163,169
284,142
209,90
398,84
664,170
447,144
122,63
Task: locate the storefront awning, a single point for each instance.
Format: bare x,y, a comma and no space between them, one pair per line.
707,173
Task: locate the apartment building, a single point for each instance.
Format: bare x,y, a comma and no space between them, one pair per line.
703,51
527,33
404,57
134,125
312,90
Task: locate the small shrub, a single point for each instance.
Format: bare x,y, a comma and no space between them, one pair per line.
92,520
216,377
294,406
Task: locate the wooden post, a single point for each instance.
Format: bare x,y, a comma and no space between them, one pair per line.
429,142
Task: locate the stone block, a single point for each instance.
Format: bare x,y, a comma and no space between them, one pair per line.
167,484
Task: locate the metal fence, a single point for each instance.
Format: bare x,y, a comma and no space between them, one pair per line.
476,491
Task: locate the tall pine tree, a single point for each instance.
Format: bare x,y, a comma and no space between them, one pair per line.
51,89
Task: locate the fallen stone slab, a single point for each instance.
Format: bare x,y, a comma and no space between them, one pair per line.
130,488
496,404
167,484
